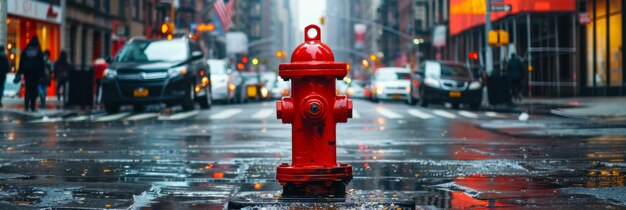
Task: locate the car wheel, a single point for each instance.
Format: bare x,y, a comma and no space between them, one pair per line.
455,105
111,108
205,101
139,108
474,106
423,101
188,103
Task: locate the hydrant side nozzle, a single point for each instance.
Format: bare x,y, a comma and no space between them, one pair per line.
343,109
284,110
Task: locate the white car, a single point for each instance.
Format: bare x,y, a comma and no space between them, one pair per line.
280,88
391,83
11,89
222,82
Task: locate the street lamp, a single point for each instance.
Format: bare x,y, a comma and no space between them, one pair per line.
255,61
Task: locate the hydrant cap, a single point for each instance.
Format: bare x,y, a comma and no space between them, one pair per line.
313,49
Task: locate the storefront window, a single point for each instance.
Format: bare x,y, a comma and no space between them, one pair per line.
613,59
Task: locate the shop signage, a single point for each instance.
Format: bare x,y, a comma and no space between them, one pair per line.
584,18
35,10
501,7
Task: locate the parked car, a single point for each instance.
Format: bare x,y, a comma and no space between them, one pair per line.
280,88
267,81
157,71
341,87
442,81
11,89
356,89
223,81
391,83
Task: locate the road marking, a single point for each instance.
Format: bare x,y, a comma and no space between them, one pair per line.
492,114
112,117
225,114
78,118
445,114
468,114
179,116
47,119
141,116
263,113
388,114
420,114
355,114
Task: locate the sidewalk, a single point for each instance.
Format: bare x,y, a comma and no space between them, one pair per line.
580,107
16,106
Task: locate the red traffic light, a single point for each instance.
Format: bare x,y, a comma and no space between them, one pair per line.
244,59
473,55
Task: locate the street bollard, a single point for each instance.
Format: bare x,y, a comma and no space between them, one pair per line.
313,110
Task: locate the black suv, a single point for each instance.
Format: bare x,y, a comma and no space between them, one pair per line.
157,71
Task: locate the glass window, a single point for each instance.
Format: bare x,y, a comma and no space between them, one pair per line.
438,70
153,51
386,75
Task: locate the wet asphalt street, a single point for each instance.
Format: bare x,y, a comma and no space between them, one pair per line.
442,157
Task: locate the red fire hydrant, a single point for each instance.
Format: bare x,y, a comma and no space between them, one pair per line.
313,110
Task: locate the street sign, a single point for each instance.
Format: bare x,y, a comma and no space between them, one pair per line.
501,7
498,38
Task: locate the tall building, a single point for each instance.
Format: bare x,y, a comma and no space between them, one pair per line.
267,24
413,30
351,30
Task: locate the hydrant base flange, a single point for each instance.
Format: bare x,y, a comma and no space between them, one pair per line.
314,182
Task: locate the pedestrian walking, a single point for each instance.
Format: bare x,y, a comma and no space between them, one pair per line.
62,68
515,73
4,69
45,79
32,67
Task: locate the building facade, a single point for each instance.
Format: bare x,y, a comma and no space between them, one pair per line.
569,47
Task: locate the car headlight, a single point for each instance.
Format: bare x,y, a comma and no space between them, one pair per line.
379,89
474,85
431,82
109,73
181,70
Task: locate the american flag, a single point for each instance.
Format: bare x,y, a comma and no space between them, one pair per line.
224,12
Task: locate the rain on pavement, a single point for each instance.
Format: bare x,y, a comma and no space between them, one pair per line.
444,158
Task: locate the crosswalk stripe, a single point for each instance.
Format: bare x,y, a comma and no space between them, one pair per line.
225,114
355,114
263,113
142,116
388,114
46,119
491,114
468,114
420,114
112,117
444,114
179,116
78,118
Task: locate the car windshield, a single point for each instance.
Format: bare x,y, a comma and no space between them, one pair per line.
156,51
392,75
439,70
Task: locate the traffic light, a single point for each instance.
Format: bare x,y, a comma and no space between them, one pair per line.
167,29
473,55
373,57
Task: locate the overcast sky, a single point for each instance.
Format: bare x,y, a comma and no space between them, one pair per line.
310,12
